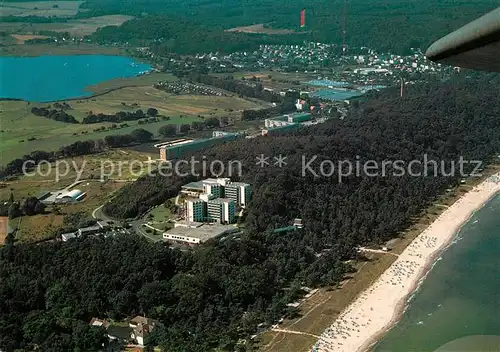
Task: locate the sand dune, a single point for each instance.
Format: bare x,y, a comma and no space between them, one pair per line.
376,309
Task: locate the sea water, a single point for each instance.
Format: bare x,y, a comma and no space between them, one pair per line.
457,307
49,78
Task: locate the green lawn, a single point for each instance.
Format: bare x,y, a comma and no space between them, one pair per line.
160,214
17,123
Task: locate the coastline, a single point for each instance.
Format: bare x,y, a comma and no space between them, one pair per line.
361,325
96,89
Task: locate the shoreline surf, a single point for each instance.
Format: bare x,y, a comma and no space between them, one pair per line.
376,310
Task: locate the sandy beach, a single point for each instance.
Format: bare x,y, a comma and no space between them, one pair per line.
360,325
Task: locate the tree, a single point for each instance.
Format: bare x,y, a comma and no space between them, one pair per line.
14,211
184,128
32,206
197,125
39,208
56,209
167,131
141,135
11,198
212,122
152,112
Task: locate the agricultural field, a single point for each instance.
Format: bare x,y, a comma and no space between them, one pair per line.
18,124
279,81
260,28
75,27
87,26
40,8
21,38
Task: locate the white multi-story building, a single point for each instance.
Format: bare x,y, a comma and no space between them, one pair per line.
215,186
239,192
221,210
195,210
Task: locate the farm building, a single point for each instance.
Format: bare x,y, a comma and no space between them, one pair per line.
70,196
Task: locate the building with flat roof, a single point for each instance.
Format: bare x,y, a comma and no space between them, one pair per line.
215,186
43,195
199,234
187,224
221,210
299,117
211,203
65,237
239,192
276,121
196,210
279,129
179,149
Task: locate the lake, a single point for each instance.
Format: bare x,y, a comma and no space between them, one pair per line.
457,307
49,78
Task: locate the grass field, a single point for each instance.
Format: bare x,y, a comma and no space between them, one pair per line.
320,310
76,28
277,80
158,217
40,8
18,124
83,27
139,81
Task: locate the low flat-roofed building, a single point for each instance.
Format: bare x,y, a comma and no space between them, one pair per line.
192,189
89,230
199,234
103,224
43,195
188,224
298,223
100,322
67,236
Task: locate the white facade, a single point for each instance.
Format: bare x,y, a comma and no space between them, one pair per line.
239,192
195,210
270,123
172,237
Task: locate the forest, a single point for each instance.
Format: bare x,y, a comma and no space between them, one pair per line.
213,296
193,26
190,26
